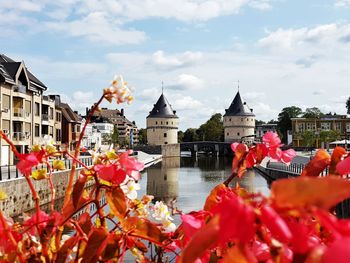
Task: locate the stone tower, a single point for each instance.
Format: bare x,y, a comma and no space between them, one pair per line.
162,123
239,122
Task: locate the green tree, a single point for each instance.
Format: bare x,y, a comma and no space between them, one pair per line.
190,135
308,138
348,105
313,112
212,130
259,122
115,135
143,136
180,136
329,136
284,120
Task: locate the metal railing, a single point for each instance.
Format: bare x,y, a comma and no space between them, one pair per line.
18,112
45,117
294,168
8,172
18,136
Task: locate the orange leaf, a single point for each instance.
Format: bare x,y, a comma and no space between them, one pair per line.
204,239
213,197
321,160
343,167
93,247
78,189
143,228
85,222
323,192
117,202
66,249
337,154
112,246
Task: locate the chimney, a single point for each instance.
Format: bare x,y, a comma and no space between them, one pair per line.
122,112
87,111
76,112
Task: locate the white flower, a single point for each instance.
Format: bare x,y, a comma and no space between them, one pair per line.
161,212
169,226
120,90
130,189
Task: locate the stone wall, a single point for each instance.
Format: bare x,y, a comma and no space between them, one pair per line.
171,150
20,199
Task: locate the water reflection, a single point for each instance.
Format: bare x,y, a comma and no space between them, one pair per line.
190,180
162,179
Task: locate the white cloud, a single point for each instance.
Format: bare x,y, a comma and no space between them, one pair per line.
261,5
187,82
342,3
97,27
325,35
161,60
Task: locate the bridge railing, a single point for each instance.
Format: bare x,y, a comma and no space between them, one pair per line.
9,172
294,168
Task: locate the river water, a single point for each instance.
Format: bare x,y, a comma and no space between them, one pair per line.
189,180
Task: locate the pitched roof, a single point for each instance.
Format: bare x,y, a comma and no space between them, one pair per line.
4,75
68,113
162,109
238,108
5,60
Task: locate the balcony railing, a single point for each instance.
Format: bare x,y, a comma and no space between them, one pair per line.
20,136
18,112
45,117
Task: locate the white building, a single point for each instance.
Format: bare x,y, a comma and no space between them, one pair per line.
162,123
239,122
92,137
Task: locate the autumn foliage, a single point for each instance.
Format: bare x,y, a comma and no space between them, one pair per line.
296,223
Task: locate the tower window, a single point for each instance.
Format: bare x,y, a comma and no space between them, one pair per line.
230,119
167,123
156,122
241,119
161,122
228,134
237,133
165,135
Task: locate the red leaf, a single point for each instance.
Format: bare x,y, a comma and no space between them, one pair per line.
112,245
275,224
321,160
301,192
85,222
344,166
117,202
338,251
337,154
78,189
94,246
66,249
204,239
238,254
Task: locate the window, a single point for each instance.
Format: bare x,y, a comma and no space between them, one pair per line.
5,102
51,113
228,134
165,135
58,116
51,131
58,135
27,107
37,109
37,130
338,126
167,123
241,119
325,126
161,122
165,142
156,122
237,133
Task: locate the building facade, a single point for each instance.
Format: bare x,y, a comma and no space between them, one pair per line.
261,129
239,122
162,123
127,130
71,127
26,115
339,124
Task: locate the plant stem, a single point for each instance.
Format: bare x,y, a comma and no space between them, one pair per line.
52,187
69,189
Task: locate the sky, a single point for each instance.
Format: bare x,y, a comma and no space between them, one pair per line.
282,52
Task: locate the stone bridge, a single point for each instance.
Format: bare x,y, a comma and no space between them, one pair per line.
216,148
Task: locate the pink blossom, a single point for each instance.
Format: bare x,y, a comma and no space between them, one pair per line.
271,139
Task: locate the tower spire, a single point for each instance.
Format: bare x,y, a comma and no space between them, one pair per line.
162,86
238,85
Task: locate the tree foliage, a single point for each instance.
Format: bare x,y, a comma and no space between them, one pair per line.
313,112
284,120
212,130
348,106
143,136
190,135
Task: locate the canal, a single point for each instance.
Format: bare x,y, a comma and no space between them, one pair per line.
189,180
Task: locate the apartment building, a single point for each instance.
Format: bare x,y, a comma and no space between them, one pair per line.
26,115
261,129
328,122
71,127
127,130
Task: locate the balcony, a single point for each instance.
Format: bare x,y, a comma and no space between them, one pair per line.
45,117
75,136
20,136
18,112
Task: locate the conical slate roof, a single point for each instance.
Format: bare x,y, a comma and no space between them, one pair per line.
162,109
238,108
